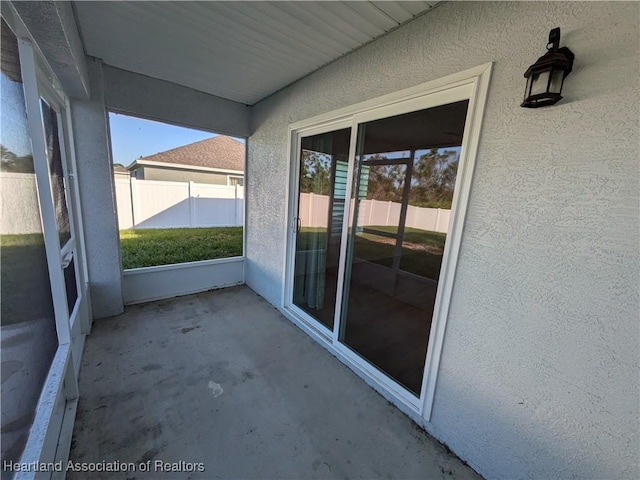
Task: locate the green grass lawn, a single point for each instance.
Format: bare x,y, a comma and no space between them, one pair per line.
420,263
415,235
25,288
146,248
425,262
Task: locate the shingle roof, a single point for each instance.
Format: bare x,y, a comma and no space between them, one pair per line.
217,152
117,168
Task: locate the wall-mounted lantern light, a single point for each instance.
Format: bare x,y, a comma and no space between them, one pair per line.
545,78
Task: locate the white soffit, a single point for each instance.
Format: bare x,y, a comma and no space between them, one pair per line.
242,51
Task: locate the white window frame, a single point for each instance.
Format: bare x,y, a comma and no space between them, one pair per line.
229,177
471,85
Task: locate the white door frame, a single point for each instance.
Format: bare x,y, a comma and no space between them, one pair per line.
290,244
471,85
80,316
82,268
50,435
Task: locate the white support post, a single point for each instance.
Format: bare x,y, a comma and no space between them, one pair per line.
135,198
310,213
388,213
238,207
192,206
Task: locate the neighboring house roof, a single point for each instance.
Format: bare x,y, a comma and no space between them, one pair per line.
117,168
223,153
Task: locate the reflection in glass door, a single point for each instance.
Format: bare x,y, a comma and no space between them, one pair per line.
406,168
321,209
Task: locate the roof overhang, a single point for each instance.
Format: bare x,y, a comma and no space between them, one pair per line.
242,51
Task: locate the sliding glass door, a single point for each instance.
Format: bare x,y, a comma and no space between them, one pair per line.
375,225
321,208
404,186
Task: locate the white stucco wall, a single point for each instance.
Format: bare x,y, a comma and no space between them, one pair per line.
539,373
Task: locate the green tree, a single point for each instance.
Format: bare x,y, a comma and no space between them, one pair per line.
384,182
315,173
10,162
434,177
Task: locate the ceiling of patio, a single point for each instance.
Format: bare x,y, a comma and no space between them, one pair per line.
242,51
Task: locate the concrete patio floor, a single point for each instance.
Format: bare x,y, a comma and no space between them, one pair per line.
222,378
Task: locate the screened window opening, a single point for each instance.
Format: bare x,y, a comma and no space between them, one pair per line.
179,193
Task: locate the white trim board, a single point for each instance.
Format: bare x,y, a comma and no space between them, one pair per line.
46,429
469,76
471,139
471,85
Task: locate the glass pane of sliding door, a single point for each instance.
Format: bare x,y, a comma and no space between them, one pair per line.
404,181
321,209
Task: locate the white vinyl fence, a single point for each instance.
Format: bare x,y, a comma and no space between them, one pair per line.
313,212
159,204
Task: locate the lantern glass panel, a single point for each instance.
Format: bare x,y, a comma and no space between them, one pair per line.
556,81
540,82
527,90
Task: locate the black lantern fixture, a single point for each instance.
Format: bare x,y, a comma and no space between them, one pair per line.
545,78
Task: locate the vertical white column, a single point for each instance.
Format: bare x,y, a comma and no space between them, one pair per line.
238,207
136,214
311,208
192,205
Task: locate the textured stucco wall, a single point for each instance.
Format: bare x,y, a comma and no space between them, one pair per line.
97,196
135,94
539,372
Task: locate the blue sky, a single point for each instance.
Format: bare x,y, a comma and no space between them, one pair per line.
133,137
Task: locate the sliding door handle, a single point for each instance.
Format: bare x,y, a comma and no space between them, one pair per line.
299,225
66,259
